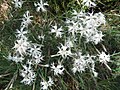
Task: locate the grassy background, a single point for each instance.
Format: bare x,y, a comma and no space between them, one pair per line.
106,80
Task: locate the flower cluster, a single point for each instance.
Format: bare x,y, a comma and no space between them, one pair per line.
23,49
82,62
81,26
87,25
28,74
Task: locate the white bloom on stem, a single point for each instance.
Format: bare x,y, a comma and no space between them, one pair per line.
36,53
90,31
87,33
21,46
46,84
50,81
94,20
35,50
15,58
28,75
57,31
92,35
41,6
90,61
88,3
58,69
64,51
26,20
103,58
77,15
21,33
73,27
18,3
97,37
100,18
90,20
79,64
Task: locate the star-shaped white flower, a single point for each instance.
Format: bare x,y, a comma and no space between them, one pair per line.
64,51
58,70
57,31
41,6
46,84
97,37
26,19
18,3
21,46
21,33
28,75
73,27
15,58
103,58
88,3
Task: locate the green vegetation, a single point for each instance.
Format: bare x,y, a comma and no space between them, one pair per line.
58,11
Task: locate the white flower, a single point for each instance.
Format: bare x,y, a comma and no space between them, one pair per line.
57,31
100,18
21,33
21,46
92,35
90,20
35,52
18,3
26,19
79,64
57,69
15,58
28,75
97,37
103,58
88,3
77,15
86,24
73,27
90,61
50,82
41,6
90,31
45,84
64,51
94,20
87,33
